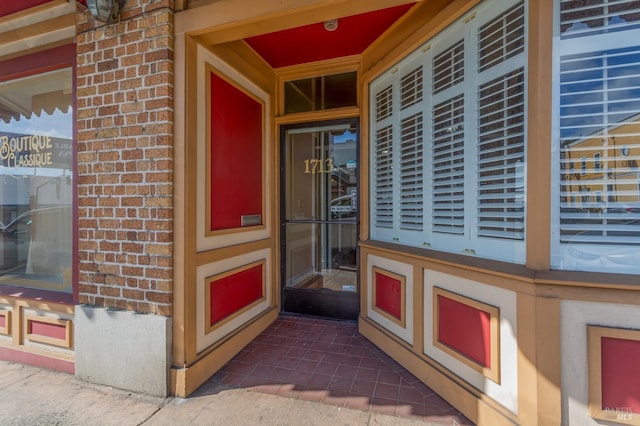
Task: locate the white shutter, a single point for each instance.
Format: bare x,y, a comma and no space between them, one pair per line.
448,68
411,88
501,144
384,178
448,166
501,38
411,185
501,127
447,133
382,162
384,103
411,151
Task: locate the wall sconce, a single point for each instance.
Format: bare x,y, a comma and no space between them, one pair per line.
107,11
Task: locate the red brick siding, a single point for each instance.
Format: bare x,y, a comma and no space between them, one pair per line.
125,158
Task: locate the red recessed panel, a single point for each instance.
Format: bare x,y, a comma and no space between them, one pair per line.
620,374
3,321
389,295
236,155
55,331
7,7
465,329
312,43
234,292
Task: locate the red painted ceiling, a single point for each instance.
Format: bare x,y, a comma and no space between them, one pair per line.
300,45
312,43
7,7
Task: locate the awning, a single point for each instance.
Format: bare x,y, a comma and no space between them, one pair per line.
35,95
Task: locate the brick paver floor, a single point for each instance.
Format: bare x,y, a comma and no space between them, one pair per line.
332,363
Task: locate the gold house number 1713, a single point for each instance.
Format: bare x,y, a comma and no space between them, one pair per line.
317,165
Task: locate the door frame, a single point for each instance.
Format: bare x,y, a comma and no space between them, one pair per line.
317,302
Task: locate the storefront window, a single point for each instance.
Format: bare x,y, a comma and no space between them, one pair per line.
36,181
596,198
449,140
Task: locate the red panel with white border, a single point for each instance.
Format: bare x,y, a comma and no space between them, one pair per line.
465,329
232,293
388,295
235,155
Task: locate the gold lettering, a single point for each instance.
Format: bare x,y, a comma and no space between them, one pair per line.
5,151
317,165
38,159
26,151
329,165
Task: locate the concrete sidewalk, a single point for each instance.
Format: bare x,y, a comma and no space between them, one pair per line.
34,396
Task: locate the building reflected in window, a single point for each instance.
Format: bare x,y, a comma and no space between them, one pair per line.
588,17
598,97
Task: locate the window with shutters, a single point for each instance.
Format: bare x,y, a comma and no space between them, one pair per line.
453,112
597,112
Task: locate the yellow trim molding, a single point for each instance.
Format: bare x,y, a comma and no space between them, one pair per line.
63,343
6,330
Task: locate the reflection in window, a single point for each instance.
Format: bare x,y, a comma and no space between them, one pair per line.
598,86
588,17
597,165
36,120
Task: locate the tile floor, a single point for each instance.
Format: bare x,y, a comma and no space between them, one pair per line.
330,362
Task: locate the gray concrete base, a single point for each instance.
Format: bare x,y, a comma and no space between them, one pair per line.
123,349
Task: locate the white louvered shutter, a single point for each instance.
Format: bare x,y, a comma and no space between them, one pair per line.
447,153
501,127
411,153
384,178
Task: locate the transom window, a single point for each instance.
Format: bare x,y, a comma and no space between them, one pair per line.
321,93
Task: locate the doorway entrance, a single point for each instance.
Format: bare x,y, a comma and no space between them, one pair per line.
320,218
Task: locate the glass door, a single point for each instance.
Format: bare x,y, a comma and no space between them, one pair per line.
320,219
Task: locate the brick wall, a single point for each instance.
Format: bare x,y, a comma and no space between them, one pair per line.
125,158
